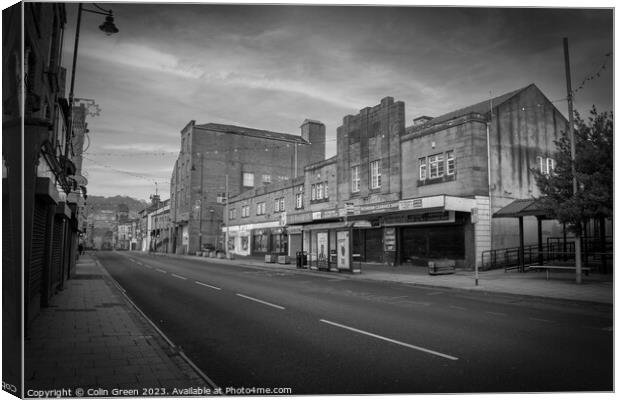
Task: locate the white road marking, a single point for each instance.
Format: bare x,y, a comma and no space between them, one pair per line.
434,293
496,313
458,308
148,266
541,320
261,301
161,270
436,353
179,276
209,286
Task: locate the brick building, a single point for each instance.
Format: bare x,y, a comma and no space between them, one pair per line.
395,194
216,158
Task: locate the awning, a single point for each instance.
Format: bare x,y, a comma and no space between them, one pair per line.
525,208
337,225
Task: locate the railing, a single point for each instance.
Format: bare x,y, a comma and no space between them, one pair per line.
553,251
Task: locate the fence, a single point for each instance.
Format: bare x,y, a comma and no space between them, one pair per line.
555,250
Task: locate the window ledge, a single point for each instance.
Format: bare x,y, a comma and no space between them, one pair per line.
441,179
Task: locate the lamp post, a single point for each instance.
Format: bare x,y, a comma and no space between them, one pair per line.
108,28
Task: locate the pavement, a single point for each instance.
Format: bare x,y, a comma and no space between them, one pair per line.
595,287
92,337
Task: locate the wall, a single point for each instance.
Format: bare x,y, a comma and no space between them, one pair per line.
521,129
467,138
373,134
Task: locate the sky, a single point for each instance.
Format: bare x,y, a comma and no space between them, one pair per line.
272,66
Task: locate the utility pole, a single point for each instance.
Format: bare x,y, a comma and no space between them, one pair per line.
226,221
571,127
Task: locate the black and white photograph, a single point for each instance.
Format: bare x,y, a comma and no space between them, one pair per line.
293,199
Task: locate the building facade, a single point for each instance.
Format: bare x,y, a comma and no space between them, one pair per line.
395,194
216,160
42,182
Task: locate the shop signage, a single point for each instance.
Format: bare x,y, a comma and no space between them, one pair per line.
418,219
316,215
370,208
294,230
330,213
389,239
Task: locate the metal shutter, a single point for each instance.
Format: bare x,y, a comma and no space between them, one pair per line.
56,272
37,256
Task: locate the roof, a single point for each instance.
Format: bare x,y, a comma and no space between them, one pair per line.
524,208
482,107
258,133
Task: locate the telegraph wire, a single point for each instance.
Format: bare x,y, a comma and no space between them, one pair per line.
595,75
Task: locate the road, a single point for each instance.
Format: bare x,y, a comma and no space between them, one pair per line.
322,333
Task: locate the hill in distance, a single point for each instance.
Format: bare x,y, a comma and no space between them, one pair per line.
98,203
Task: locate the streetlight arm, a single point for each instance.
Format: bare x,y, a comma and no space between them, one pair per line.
106,13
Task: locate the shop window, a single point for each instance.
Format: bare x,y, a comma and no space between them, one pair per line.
260,243
266,179
375,174
422,168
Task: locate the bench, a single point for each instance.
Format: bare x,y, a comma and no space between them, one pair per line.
547,268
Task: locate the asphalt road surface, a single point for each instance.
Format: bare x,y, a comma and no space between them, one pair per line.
322,333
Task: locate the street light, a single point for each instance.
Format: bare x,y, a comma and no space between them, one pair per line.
108,28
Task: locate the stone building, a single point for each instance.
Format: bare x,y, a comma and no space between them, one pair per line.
395,194
215,159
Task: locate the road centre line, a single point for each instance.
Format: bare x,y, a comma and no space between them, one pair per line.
179,276
458,308
436,353
209,286
161,270
261,301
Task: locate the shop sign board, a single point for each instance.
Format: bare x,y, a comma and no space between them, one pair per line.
316,215
389,239
424,202
344,260
321,240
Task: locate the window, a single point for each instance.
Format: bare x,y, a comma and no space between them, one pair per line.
313,193
375,174
232,213
248,179
550,165
260,208
355,179
266,178
435,166
299,200
245,211
279,204
319,191
450,163
422,169
326,195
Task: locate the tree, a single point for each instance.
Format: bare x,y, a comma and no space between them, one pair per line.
593,170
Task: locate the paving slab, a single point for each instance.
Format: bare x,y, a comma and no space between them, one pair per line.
91,337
